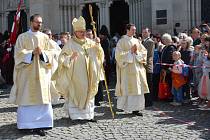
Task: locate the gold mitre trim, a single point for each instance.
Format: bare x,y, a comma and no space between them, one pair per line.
79,24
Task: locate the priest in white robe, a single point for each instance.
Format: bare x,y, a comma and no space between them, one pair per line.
32,73
54,61
131,75
78,72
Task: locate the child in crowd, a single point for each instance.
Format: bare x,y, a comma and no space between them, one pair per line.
197,60
178,79
204,88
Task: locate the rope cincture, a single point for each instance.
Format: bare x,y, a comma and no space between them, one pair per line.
105,81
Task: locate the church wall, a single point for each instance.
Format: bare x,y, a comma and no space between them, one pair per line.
162,5
147,14
58,14
181,15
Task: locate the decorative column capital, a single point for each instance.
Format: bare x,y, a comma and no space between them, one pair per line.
128,1
110,3
101,4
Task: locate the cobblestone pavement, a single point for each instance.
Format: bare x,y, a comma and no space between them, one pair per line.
162,121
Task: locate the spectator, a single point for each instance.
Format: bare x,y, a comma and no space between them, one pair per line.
64,37
196,36
177,79
166,57
105,44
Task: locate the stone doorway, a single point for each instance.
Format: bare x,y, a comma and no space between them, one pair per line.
119,17
205,11
86,15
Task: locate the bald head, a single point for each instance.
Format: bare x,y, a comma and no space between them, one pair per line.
195,33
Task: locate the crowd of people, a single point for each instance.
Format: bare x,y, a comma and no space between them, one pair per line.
148,67
183,61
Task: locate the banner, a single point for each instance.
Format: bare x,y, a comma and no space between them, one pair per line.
15,25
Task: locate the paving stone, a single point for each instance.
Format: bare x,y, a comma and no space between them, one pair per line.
153,125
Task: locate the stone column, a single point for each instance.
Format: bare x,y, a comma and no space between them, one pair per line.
139,16
74,8
70,17
107,15
4,21
188,14
1,16
79,11
37,6
192,13
130,10
81,6
142,13
101,13
136,14
53,16
65,15
61,14
198,12
104,14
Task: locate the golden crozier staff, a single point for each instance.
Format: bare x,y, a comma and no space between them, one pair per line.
95,35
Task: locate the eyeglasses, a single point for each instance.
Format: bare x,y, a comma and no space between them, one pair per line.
38,22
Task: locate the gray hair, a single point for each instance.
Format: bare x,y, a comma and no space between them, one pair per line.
182,36
190,40
166,37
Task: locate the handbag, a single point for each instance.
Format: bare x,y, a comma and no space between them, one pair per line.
164,89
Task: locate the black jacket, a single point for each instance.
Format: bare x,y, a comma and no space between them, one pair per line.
166,56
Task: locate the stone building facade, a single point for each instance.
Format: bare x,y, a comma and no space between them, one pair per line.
159,15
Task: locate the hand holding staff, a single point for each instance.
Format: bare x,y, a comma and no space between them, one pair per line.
95,36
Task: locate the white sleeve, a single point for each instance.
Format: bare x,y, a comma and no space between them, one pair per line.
129,57
27,58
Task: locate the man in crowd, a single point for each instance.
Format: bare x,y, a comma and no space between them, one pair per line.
32,67
196,36
149,45
78,73
131,74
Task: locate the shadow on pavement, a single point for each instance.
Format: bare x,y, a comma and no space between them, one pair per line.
67,122
10,131
108,115
4,96
8,109
60,105
189,115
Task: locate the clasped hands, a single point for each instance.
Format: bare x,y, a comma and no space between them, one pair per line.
37,51
134,49
74,56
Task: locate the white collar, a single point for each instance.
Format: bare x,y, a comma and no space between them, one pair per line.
34,33
128,37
